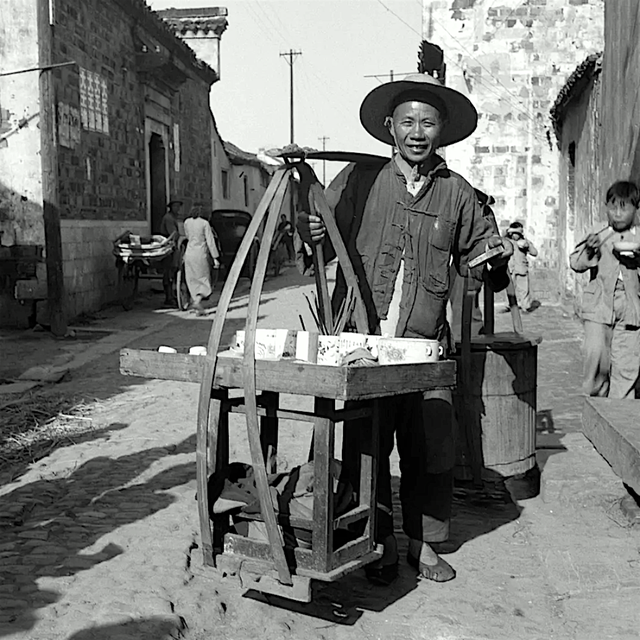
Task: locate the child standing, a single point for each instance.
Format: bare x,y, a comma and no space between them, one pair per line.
611,299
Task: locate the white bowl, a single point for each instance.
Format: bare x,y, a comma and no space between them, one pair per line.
626,247
408,350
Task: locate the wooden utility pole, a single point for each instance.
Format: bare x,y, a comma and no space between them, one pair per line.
49,162
324,139
291,56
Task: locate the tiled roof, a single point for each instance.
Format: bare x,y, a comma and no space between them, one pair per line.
206,20
238,156
166,35
573,88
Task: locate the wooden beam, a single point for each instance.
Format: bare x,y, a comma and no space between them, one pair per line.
49,162
613,428
288,376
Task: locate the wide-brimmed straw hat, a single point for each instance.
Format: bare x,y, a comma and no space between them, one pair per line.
461,115
174,202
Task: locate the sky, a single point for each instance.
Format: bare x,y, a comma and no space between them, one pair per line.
341,41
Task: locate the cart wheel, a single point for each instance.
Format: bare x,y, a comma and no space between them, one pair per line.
182,291
128,275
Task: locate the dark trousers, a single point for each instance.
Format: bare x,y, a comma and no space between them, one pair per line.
423,425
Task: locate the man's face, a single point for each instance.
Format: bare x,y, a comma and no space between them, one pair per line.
621,214
175,209
416,128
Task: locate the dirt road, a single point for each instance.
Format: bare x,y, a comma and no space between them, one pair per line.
98,539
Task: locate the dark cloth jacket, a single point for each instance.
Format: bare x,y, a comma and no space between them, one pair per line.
604,269
380,222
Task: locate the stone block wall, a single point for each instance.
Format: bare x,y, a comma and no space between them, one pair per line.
511,58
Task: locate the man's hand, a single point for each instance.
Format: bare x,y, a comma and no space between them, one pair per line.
311,228
507,251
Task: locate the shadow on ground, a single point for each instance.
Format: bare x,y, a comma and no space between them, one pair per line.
67,514
149,629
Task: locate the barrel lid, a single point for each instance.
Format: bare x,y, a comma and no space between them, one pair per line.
503,341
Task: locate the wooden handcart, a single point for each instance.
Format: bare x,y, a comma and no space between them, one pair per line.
276,568
136,261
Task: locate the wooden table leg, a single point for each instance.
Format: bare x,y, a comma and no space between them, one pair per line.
212,450
323,444
269,429
369,471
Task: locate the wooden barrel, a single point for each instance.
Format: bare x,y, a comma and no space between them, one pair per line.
500,405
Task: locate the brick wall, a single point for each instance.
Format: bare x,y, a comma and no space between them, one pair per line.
511,58
102,161
101,175
193,181
88,243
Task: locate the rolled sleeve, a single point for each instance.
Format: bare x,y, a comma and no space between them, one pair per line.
474,230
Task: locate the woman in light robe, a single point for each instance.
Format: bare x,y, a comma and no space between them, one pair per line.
201,250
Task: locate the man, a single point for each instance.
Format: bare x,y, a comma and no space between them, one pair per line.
519,265
169,229
403,222
286,229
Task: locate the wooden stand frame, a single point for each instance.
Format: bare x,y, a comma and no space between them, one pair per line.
261,411
281,570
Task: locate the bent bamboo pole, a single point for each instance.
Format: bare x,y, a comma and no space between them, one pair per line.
202,435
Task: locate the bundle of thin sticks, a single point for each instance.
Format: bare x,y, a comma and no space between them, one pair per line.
340,318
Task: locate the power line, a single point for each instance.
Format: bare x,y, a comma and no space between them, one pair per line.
272,12
399,18
267,17
307,97
260,24
497,80
487,86
389,75
508,16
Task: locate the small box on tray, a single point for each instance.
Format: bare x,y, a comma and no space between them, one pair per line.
308,346
271,344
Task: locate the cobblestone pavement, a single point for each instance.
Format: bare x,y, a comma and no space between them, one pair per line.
98,540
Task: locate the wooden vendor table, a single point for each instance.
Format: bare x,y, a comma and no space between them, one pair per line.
327,385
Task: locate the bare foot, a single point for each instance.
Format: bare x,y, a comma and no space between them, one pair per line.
428,563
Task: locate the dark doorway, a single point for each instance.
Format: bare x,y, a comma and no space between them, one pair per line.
158,178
